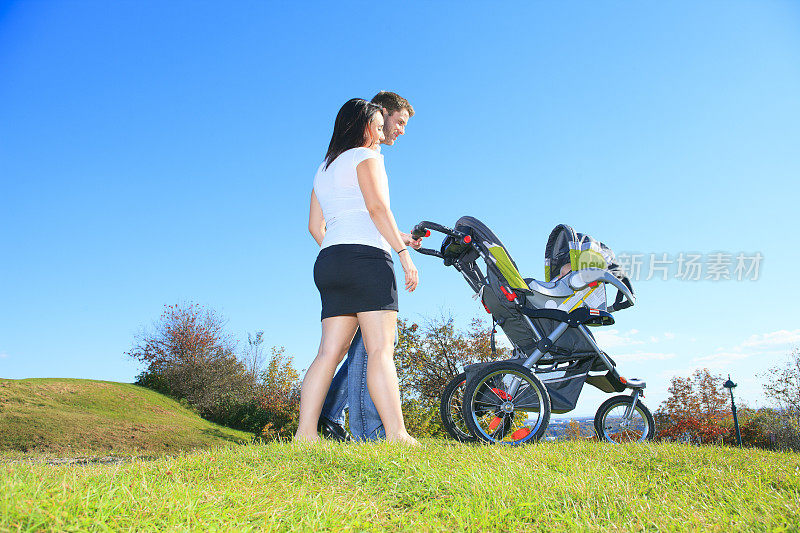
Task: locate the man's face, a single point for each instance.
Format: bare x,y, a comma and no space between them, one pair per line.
394,125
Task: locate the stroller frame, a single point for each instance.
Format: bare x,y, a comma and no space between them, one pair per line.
461,248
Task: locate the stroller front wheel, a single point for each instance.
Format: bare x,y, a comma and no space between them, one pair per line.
506,403
611,425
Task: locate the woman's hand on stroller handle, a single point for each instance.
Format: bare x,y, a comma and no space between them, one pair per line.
411,240
419,232
423,229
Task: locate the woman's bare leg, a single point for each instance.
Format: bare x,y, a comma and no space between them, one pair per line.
378,329
337,334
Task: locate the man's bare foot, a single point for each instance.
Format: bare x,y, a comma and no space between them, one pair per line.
303,438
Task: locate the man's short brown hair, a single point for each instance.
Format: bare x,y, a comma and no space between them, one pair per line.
392,102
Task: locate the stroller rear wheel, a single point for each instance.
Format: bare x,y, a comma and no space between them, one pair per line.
506,403
611,426
451,409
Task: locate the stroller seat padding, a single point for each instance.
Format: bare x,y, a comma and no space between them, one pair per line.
507,267
550,288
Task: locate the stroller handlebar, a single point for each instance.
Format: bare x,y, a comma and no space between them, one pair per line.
428,251
423,229
580,279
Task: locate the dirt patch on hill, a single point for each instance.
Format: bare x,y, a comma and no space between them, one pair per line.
82,461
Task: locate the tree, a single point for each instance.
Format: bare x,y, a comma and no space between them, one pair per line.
783,385
182,333
254,353
190,356
780,427
429,357
695,409
279,395
409,344
574,430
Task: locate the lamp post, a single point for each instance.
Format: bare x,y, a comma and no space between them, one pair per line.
730,386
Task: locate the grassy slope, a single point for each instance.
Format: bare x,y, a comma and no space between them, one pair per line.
549,486
84,417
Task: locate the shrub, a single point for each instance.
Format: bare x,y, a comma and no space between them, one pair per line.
766,428
779,428
422,418
190,356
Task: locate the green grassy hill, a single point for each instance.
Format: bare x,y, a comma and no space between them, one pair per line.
558,486
79,417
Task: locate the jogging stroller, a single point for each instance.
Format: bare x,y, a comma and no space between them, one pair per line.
554,353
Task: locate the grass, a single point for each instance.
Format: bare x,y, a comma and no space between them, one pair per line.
199,481
561,486
80,417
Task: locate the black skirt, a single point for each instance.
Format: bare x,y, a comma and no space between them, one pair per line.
352,278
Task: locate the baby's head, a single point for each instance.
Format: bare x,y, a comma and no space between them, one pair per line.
566,269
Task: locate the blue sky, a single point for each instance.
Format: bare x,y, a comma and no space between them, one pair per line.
153,153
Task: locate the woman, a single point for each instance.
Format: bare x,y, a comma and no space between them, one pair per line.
350,219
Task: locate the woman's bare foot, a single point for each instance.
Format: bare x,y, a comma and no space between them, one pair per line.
403,438
303,438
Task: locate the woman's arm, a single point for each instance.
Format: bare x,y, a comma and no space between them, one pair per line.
316,222
369,174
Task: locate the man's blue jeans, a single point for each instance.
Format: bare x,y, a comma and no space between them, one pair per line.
349,390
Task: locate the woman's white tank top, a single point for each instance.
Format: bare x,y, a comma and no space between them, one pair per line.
347,220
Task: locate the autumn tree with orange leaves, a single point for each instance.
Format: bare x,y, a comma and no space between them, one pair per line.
574,431
428,357
695,410
279,395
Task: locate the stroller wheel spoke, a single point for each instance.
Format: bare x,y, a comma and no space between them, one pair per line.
497,383
611,424
488,398
527,407
451,410
527,396
501,426
497,393
503,418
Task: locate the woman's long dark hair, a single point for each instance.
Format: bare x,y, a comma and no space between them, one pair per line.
349,130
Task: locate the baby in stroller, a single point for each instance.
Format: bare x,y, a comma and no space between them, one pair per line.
510,401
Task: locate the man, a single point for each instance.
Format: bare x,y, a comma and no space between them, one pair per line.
349,386
396,113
